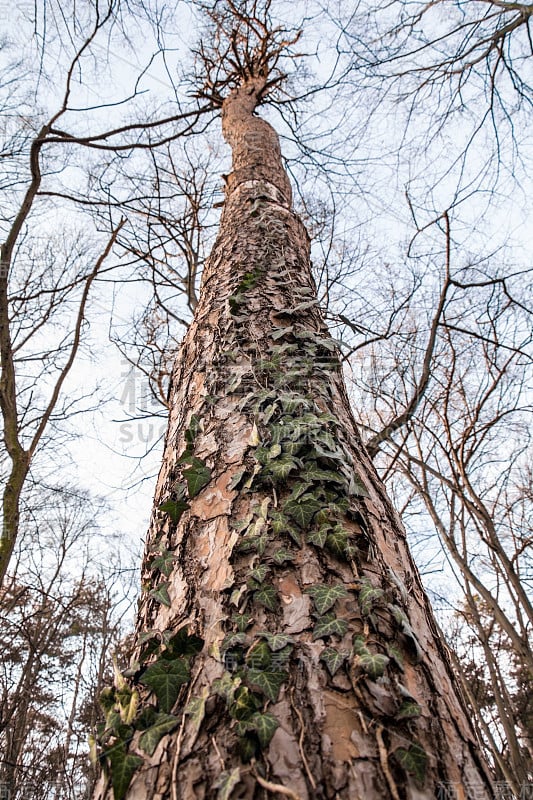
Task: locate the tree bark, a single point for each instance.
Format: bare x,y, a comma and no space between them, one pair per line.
287,530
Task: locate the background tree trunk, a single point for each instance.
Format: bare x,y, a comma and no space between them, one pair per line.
308,664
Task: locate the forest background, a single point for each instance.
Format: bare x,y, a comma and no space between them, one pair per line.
404,126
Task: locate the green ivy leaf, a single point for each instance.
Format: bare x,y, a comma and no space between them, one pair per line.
368,597
324,596
195,708
277,641
197,476
259,573
403,622
232,640
160,593
164,723
302,510
281,556
269,682
265,726
175,509
279,522
337,542
373,664
299,489
282,466
250,543
164,563
267,597
334,659
183,644
226,686
227,781
318,537
164,678
123,765
242,621
245,703
237,478
409,710
193,429
414,760
395,654
315,473
247,748
359,645
357,487
259,656
329,625
280,332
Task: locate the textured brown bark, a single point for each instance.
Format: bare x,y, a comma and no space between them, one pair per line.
340,736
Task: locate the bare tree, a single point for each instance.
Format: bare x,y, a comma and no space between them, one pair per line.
284,643
60,621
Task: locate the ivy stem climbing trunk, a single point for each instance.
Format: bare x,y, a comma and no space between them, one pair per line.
285,646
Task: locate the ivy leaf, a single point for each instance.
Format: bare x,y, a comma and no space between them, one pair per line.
278,522
237,478
409,710
265,726
280,332
277,641
192,431
123,767
329,625
334,659
373,664
269,682
175,509
195,708
281,556
197,476
319,536
226,686
262,455
242,621
184,644
164,563
269,412
302,510
267,597
164,678
259,656
314,473
337,542
244,704
395,654
357,487
232,640
249,543
164,723
325,597
368,596
359,645
160,593
259,573
275,451
227,781
298,489
414,760
403,621
283,466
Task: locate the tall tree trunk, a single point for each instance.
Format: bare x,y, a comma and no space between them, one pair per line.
308,663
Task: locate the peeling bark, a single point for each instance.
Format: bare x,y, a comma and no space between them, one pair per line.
338,736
